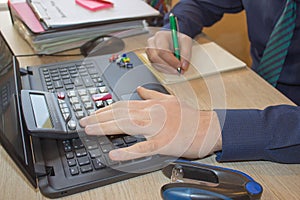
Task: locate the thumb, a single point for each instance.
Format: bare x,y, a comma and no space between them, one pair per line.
141,149
150,94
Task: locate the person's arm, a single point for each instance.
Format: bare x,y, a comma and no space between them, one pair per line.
193,15
272,134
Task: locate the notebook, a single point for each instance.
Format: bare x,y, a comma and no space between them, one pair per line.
39,103
67,13
207,59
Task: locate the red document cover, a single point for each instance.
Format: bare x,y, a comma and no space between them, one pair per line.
25,13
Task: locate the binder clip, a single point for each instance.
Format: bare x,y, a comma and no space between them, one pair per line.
191,180
94,5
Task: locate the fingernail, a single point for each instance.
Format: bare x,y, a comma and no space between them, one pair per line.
114,155
88,129
185,65
82,122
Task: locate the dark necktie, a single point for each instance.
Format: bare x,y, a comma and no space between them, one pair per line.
277,46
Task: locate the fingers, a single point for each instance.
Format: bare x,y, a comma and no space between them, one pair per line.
160,52
121,118
122,104
117,120
185,51
130,125
118,126
124,109
116,112
159,57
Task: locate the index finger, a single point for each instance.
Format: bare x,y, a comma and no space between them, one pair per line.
132,124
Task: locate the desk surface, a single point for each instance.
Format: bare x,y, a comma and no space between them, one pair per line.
239,89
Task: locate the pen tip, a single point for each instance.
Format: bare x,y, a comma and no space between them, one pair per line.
179,70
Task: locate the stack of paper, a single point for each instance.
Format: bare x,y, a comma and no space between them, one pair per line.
3,5
55,26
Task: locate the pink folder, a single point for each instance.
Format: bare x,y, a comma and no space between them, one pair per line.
25,13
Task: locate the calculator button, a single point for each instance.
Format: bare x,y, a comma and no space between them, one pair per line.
80,152
100,84
91,112
130,139
83,161
49,83
74,100
103,140
102,97
67,116
118,142
95,153
82,92
50,87
62,104
88,105
88,82
67,146
93,91
100,104
77,107
69,87
85,99
86,168
56,78
72,125
77,143
109,101
71,94
98,163
69,155
106,148
57,84
93,71
61,95
80,114
103,89
74,171
65,110
91,144
71,162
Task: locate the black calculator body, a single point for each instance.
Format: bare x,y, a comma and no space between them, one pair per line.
40,107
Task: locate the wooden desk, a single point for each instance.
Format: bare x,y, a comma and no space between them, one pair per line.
240,89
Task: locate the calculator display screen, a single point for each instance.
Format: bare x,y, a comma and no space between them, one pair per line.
41,111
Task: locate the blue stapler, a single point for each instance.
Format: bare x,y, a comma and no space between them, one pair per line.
193,181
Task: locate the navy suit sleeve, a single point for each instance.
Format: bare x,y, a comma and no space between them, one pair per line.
272,134
193,15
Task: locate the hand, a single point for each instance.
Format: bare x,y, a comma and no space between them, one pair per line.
160,52
170,126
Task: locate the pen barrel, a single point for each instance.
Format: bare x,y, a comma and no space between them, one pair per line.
173,25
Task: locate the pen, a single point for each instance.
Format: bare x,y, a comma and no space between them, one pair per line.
173,25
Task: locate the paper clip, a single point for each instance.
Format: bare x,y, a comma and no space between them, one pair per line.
94,5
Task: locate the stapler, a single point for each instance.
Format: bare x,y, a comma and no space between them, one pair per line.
195,181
